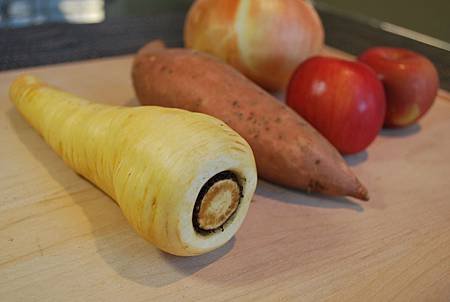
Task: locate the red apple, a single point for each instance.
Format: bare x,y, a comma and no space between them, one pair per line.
343,100
410,81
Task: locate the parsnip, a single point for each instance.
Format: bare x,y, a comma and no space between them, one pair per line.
183,180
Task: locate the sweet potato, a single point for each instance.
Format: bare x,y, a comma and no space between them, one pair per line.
287,149
183,180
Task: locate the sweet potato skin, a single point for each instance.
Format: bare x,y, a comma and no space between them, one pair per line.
288,151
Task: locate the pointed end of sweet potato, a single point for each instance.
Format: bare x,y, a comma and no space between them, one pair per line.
360,192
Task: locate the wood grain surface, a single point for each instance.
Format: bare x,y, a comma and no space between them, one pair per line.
62,239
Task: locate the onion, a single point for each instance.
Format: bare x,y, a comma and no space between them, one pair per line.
264,39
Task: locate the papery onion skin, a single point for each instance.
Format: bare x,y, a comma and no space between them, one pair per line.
264,39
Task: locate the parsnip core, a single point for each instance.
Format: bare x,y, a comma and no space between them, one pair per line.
216,202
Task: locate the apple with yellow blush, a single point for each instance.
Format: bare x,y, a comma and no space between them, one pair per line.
410,82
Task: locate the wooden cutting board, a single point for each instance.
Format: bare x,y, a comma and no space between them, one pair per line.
62,239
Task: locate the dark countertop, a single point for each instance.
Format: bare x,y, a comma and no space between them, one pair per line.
62,42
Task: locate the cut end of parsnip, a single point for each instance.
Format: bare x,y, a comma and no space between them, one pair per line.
216,203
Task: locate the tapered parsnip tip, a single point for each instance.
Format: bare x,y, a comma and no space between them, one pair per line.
27,79
22,82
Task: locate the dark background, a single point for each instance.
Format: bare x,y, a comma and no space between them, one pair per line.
36,32
428,17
